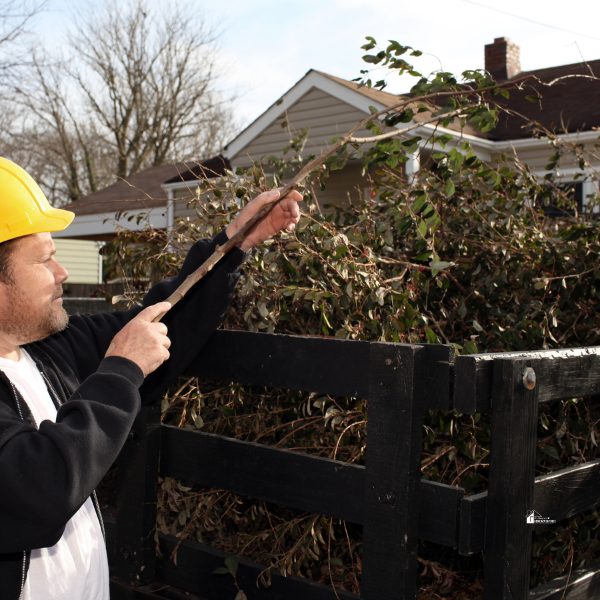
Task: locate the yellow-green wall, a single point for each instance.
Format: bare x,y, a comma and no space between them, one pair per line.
81,258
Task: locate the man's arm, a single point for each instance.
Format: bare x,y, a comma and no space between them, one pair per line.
48,473
192,321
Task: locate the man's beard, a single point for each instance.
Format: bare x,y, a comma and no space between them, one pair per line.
27,324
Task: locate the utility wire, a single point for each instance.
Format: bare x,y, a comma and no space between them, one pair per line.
531,20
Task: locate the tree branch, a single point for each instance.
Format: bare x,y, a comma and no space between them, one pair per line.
308,168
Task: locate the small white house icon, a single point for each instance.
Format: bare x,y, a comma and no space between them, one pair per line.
532,516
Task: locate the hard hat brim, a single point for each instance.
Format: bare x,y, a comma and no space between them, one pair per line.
52,219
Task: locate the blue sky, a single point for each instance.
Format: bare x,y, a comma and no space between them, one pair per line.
268,45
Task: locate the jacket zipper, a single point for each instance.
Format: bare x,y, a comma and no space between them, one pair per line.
94,497
16,396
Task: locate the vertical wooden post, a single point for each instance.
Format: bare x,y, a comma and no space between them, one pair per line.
510,489
393,472
136,499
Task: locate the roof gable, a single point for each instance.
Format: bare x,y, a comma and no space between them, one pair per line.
341,90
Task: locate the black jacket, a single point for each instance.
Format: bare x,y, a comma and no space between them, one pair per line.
47,474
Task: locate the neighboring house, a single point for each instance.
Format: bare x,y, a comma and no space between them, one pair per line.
81,258
330,106
139,200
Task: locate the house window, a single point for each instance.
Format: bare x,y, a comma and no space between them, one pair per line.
571,198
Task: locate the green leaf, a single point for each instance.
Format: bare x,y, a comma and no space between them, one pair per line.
440,265
419,203
551,452
533,98
232,565
221,571
431,337
226,411
241,596
470,347
450,189
422,228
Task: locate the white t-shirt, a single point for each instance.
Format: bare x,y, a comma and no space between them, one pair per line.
76,568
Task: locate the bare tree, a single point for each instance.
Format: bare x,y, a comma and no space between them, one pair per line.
137,90
148,77
66,152
15,16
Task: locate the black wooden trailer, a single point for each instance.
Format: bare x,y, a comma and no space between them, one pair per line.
387,496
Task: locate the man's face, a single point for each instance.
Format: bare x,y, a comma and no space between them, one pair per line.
31,305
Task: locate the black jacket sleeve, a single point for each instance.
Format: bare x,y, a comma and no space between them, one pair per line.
46,475
191,321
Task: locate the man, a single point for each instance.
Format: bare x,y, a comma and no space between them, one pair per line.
70,388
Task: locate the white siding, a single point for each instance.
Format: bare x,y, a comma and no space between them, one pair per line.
185,207
343,187
81,258
325,115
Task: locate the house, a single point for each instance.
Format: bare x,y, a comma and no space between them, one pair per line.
143,199
146,198
330,106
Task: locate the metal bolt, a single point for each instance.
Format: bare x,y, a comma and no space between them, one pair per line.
529,378
388,361
387,498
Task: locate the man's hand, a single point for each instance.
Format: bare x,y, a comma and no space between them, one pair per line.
143,342
285,215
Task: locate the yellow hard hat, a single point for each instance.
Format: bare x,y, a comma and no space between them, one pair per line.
23,207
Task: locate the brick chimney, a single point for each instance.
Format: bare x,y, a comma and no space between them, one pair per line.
502,59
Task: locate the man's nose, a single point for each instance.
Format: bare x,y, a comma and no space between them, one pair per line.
60,273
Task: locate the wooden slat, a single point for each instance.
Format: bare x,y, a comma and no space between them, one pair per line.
439,376
194,573
557,496
583,584
471,537
560,374
511,479
390,531
288,478
439,513
313,364
568,492
310,483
